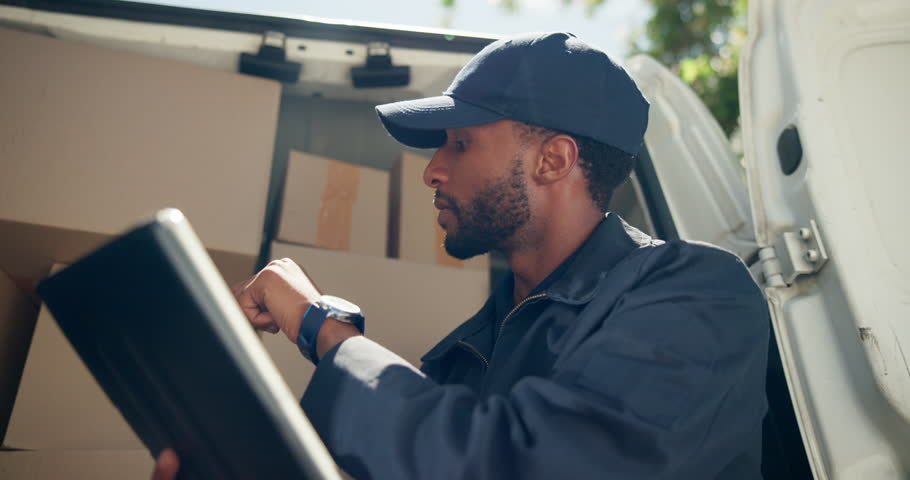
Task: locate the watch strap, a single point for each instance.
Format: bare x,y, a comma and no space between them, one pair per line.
312,322
310,325
357,321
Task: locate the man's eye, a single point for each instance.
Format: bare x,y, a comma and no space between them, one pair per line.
459,145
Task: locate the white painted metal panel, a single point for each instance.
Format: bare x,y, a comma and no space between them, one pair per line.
697,170
838,70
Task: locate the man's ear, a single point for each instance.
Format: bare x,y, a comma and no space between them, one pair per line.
558,155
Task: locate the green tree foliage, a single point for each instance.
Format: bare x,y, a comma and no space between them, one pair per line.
701,41
698,39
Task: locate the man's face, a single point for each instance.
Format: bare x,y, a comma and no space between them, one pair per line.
481,188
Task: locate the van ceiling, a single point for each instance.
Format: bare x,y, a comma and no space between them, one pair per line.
327,50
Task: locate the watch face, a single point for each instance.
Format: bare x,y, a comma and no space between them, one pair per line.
340,304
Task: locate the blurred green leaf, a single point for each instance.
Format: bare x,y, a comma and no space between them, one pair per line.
701,40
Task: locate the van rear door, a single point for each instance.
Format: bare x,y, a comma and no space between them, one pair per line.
823,92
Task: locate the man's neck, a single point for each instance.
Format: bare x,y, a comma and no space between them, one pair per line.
559,240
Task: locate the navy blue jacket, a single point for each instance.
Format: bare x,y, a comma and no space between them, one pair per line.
640,360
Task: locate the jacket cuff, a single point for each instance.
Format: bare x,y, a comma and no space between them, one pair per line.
348,375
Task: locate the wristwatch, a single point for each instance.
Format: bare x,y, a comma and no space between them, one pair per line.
326,307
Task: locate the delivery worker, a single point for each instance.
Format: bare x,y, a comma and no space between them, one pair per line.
603,354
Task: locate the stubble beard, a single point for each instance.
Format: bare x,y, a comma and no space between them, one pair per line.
492,218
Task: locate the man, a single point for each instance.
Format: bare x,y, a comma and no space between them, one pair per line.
605,353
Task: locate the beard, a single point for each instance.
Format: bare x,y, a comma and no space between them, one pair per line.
490,219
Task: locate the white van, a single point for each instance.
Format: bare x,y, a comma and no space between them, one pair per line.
817,214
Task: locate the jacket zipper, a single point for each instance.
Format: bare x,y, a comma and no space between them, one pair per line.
476,352
514,310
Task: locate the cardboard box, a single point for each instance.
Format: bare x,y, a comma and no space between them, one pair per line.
414,233
76,464
409,306
94,140
17,321
59,404
336,205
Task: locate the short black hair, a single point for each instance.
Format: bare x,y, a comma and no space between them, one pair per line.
604,166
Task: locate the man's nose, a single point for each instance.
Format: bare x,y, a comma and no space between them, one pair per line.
436,173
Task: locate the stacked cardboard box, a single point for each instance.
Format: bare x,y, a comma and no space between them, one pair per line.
93,140
334,205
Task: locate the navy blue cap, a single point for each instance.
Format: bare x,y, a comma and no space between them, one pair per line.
552,80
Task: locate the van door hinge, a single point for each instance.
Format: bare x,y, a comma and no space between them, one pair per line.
793,254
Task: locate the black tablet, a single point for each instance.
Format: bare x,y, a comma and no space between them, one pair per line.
160,331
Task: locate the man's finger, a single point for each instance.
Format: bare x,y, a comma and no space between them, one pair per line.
239,286
167,465
263,321
273,328
248,304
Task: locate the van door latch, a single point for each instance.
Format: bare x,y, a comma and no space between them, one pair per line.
379,71
271,61
794,253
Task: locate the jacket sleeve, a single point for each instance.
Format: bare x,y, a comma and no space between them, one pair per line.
667,385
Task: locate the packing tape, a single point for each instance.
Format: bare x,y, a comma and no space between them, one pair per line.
337,205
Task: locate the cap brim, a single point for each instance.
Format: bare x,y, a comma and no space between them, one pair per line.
422,123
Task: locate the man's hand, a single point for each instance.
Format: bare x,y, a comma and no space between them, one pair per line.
277,297
166,466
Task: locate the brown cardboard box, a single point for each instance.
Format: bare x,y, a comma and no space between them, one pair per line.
409,306
76,464
336,205
93,140
17,320
414,233
59,404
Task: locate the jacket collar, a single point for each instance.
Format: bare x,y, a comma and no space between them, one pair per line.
611,241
